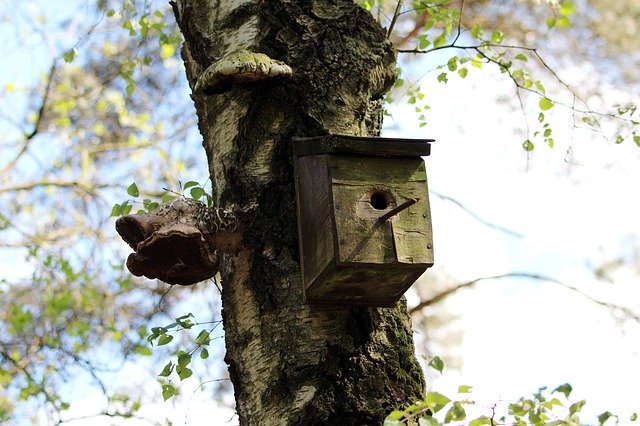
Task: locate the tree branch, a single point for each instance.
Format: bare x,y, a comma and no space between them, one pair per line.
39,120
475,216
628,313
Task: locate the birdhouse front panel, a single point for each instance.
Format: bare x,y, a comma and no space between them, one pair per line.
364,189
364,222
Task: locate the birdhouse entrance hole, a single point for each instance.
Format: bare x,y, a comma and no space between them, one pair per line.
380,199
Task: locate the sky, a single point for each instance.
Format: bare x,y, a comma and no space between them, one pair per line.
574,207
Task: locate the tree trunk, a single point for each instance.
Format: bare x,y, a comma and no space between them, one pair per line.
292,363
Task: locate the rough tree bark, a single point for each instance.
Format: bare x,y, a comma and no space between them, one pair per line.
292,363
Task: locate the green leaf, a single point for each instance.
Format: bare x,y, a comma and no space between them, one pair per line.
455,413
183,372
133,190
619,139
521,57
428,421
184,359
442,77
563,22
551,22
164,339
203,338
464,389
633,417
70,55
528,145
395,415
440,40
545,104
476,31
567,8
602,418
497,37
564,389
168,197
125,208
399,82
168,391
142,350
116,211
436,401
197,193
167,370
189,184
576,407
521,408
480,421
540,86
392,422
437,364
204,353
636,139
452,64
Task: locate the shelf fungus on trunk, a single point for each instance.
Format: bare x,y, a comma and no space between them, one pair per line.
238,68
179,243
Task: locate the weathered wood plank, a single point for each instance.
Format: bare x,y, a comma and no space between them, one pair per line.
370,146
316,227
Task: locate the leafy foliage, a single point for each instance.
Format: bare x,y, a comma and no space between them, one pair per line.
442,25
543,408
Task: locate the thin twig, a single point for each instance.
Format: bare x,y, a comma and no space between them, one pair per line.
628,313
39,120
395,18
475,216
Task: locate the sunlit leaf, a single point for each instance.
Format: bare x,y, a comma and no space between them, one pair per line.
437,364
168,391
545,104
436,401
455,413
564,389
70,55
164,339
464,389
133,190
167,370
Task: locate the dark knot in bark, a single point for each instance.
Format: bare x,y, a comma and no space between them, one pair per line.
179,243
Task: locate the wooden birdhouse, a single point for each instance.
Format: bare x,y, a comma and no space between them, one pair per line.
364,222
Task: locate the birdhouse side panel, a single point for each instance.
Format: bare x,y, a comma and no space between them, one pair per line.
316,229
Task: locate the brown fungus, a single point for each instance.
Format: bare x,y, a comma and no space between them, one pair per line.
242,67
178,242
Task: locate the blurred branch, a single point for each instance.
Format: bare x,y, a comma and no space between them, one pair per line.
86,187
475,216
626,312
39,119
396,13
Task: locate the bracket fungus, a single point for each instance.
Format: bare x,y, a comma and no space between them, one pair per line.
241,67
179,242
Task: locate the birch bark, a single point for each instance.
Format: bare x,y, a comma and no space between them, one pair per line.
294,364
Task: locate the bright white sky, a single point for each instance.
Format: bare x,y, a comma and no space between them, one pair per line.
518,334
